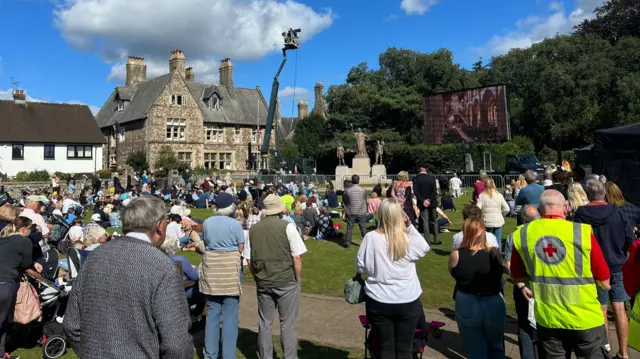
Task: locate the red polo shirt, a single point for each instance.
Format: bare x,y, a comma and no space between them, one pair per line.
599,267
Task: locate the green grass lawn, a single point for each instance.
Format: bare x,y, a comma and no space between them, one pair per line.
327,265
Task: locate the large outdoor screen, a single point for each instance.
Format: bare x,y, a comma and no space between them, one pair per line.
473,115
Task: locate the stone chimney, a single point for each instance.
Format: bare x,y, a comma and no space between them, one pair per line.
226,76
303,109
189,75
319,106
136,71
176,62
19,96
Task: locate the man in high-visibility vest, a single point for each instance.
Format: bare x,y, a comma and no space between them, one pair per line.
562,263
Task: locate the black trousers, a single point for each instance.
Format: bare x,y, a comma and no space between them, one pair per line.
8,292
560,343
351,220
428,223
395,325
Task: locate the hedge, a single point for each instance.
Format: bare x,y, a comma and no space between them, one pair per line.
44,176
439,159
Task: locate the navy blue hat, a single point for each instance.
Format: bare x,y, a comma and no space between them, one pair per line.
223,200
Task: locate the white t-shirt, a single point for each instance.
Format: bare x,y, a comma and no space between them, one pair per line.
174,230
455,182
457,240
68,203
76,233
296,244
390,281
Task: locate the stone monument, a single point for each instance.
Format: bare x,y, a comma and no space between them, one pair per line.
361,164
378,168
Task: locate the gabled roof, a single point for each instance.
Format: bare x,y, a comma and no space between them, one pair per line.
247,108
287,127
142,96
41,122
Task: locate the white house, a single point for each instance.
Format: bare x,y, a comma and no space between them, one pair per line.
48,136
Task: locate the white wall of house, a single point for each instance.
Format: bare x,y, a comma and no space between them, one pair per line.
34,159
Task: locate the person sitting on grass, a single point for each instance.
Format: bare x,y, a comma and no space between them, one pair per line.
446,201
301,222
443,221
326,230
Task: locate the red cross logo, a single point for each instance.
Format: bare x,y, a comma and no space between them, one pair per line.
549,250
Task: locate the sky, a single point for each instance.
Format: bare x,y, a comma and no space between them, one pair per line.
74,51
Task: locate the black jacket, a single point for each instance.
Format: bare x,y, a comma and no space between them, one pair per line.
424,188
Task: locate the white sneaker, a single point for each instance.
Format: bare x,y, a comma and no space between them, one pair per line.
444,230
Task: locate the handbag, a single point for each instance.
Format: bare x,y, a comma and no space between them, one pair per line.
27,304
354,290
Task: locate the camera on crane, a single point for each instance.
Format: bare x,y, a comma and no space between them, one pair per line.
291,39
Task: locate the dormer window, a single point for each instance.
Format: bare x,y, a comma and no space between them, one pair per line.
215,103
120,105
178,100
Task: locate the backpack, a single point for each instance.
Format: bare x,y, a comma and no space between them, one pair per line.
27,304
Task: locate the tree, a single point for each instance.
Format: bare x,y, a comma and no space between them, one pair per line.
167,159
310,134
615,20
288,150
138,160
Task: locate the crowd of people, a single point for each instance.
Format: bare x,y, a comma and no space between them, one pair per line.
567,258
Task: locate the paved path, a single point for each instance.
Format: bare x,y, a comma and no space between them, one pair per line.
333,322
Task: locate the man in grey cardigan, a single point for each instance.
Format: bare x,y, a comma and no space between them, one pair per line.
129,300
355,201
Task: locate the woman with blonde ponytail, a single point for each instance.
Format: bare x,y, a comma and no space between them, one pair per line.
388,256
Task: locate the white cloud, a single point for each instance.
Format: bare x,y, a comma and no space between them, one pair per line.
534,29
556,6
289,92
94,109
8,95
203,29
417,6
204,70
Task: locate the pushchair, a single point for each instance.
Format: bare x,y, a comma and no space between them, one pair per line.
53,303
372,344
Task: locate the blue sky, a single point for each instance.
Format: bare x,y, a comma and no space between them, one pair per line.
75,50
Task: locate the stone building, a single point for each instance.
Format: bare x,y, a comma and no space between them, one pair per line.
286,125
208,125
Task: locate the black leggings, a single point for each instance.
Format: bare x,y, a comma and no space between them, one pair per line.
395,325
8,292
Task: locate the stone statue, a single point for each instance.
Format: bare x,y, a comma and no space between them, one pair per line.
379,152
340,154
360,143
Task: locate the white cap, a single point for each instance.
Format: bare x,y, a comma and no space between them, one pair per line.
95,217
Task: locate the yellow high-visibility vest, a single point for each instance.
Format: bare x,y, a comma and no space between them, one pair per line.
634,325
557,256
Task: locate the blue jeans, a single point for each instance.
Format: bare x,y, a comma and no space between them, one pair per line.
185,240
617,294
497,231
481,322
227,308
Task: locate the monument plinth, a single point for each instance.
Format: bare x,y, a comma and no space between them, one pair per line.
361,164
